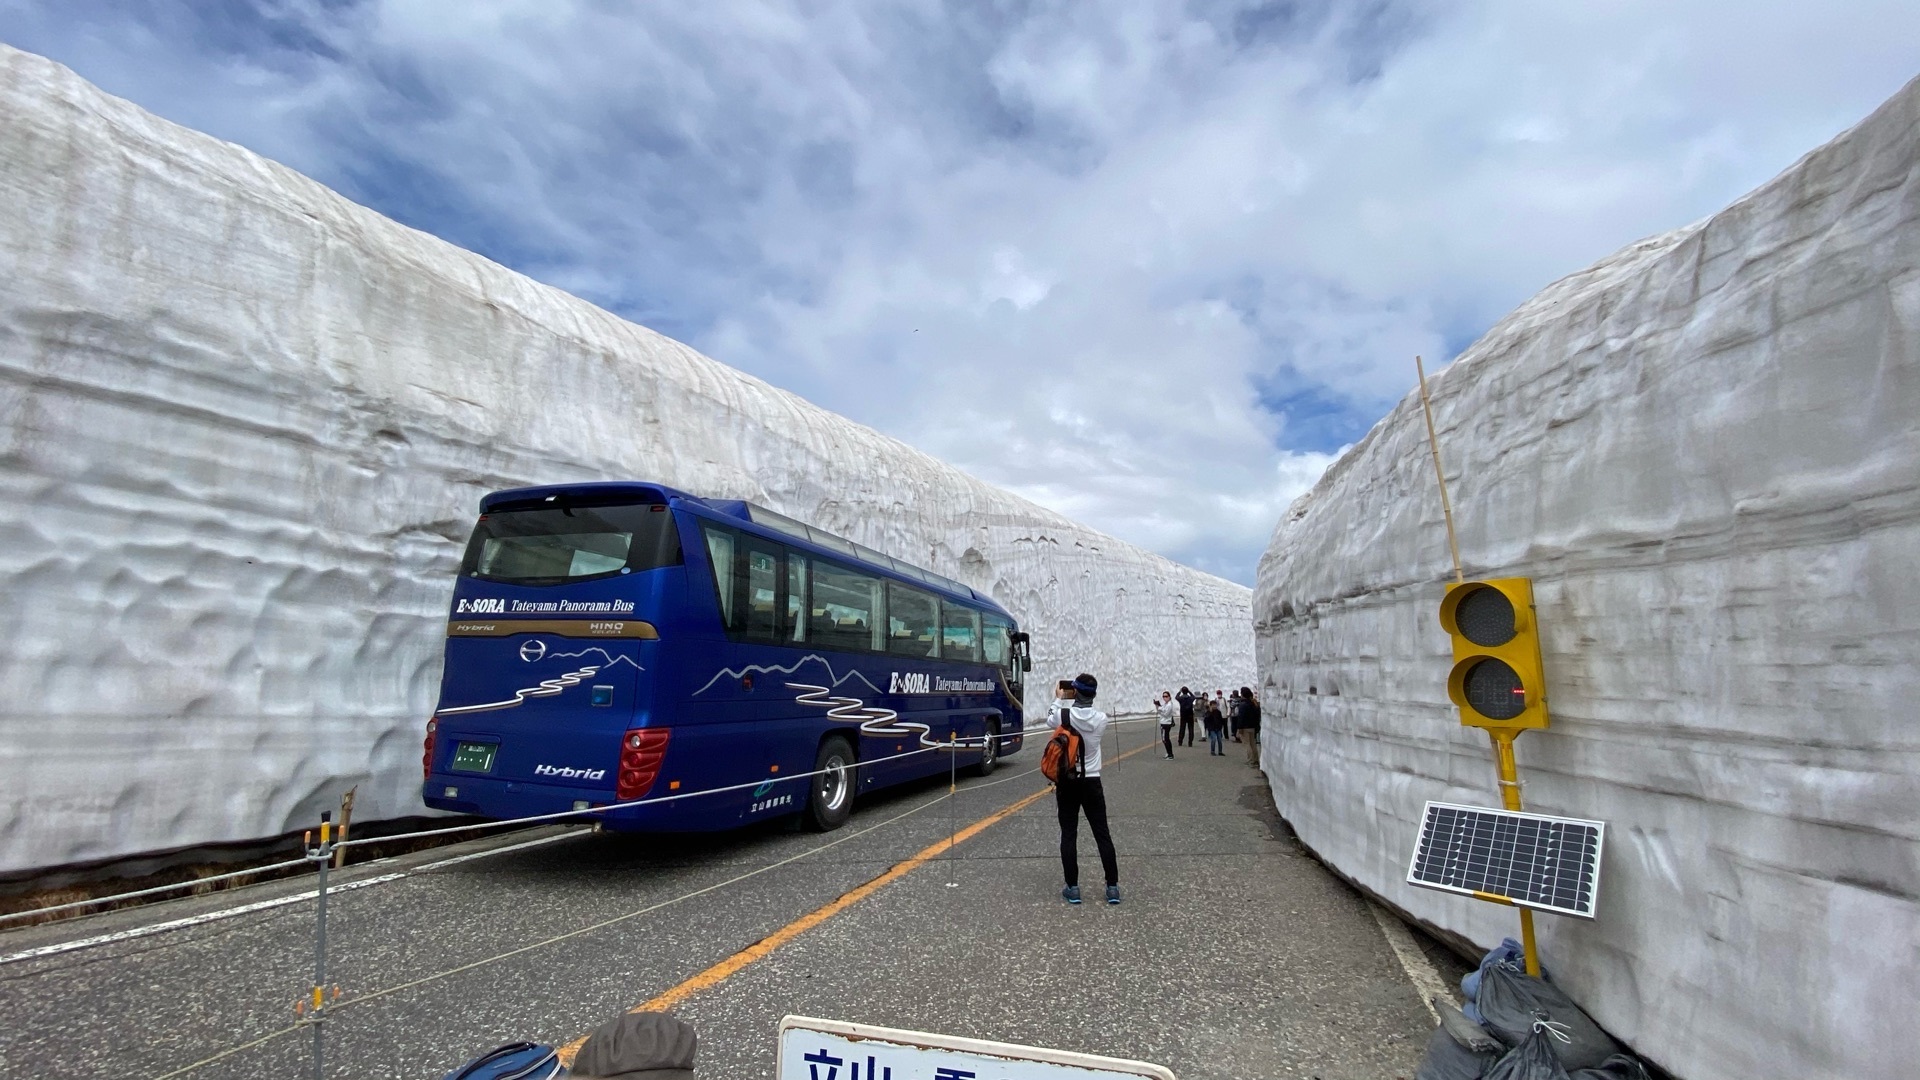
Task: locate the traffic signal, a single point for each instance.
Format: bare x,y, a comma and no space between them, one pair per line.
1497,679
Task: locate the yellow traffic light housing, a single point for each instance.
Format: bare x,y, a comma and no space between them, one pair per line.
1497,678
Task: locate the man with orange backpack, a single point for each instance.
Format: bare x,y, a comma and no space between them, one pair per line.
1077,788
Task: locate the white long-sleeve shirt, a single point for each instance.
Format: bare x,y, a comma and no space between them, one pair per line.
1169,712
1091,723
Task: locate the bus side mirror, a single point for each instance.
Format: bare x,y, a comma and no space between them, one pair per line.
1026,662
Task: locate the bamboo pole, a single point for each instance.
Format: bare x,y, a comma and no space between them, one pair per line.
346,821
1433,441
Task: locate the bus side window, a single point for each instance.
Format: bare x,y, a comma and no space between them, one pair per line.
959,632
993,641
762,581
911,617
997,639
844,614
795,626
720,554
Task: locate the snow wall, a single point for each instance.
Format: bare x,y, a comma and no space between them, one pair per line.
1705,452
244,428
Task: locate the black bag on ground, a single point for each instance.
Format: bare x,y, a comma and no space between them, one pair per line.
1533,1059
1617,1067
1512,1003
1446,1059
1466,1032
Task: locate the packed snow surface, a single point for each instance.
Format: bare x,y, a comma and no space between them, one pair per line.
1705,452
244,428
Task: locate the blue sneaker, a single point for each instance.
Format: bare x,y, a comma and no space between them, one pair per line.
1113,894
1071,894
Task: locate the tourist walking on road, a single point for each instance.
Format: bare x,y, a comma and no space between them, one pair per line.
1079,790
1216,733
1250,725
1185,698
1167,711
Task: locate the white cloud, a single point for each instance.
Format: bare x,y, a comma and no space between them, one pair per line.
1148,263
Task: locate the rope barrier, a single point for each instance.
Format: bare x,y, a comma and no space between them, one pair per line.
229,1052
517,822
361,999
951,794
155,891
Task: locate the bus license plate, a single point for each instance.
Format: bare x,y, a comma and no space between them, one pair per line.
474,756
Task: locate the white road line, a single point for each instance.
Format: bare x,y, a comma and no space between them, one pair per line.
1420,971
263,905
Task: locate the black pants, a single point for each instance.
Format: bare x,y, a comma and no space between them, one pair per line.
1072,797
1186,731
1166,738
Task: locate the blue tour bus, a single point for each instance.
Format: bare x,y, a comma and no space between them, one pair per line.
614,642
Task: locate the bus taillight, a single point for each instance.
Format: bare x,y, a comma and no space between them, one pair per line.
641,752
426,748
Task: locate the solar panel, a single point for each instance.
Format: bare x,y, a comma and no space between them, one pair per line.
1536,861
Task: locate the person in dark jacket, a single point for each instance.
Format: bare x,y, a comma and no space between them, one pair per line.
1185,698
1250,725
1216,731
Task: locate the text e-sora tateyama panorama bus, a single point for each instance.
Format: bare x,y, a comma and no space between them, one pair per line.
629,643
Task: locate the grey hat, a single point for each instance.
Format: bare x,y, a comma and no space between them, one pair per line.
638,1046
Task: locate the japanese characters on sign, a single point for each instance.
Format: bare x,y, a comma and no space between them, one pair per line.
813,1049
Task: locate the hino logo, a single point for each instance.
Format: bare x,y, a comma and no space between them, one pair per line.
533,650
565,773
483,606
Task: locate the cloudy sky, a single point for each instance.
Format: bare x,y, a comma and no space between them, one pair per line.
1152,264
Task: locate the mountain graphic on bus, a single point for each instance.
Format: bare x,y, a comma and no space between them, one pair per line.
819,664
549,687
873,719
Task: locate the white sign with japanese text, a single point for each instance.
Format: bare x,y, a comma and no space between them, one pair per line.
813,1049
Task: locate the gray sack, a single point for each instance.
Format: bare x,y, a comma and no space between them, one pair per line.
1533,1059
1467,1033
1512,1003
1617,1067
1446,1059
1459,1048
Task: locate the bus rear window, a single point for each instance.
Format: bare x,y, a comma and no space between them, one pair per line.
552,545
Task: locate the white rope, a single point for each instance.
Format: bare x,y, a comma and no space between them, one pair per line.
505,823
155,891
649,909
1553,1027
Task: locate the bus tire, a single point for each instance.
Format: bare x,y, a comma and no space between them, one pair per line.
830,792
990,751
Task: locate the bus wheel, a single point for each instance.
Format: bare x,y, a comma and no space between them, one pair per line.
990,753
831,798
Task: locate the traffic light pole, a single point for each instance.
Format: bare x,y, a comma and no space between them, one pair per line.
1502,737
1510,798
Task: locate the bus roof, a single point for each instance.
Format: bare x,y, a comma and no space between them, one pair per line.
767,521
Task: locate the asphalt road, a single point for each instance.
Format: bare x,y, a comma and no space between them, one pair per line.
1234,955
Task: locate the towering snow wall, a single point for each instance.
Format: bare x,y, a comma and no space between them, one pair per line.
245,424
1705,451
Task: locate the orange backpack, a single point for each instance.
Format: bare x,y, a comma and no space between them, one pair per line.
1065,756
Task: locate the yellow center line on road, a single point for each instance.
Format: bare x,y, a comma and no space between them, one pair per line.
725,969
